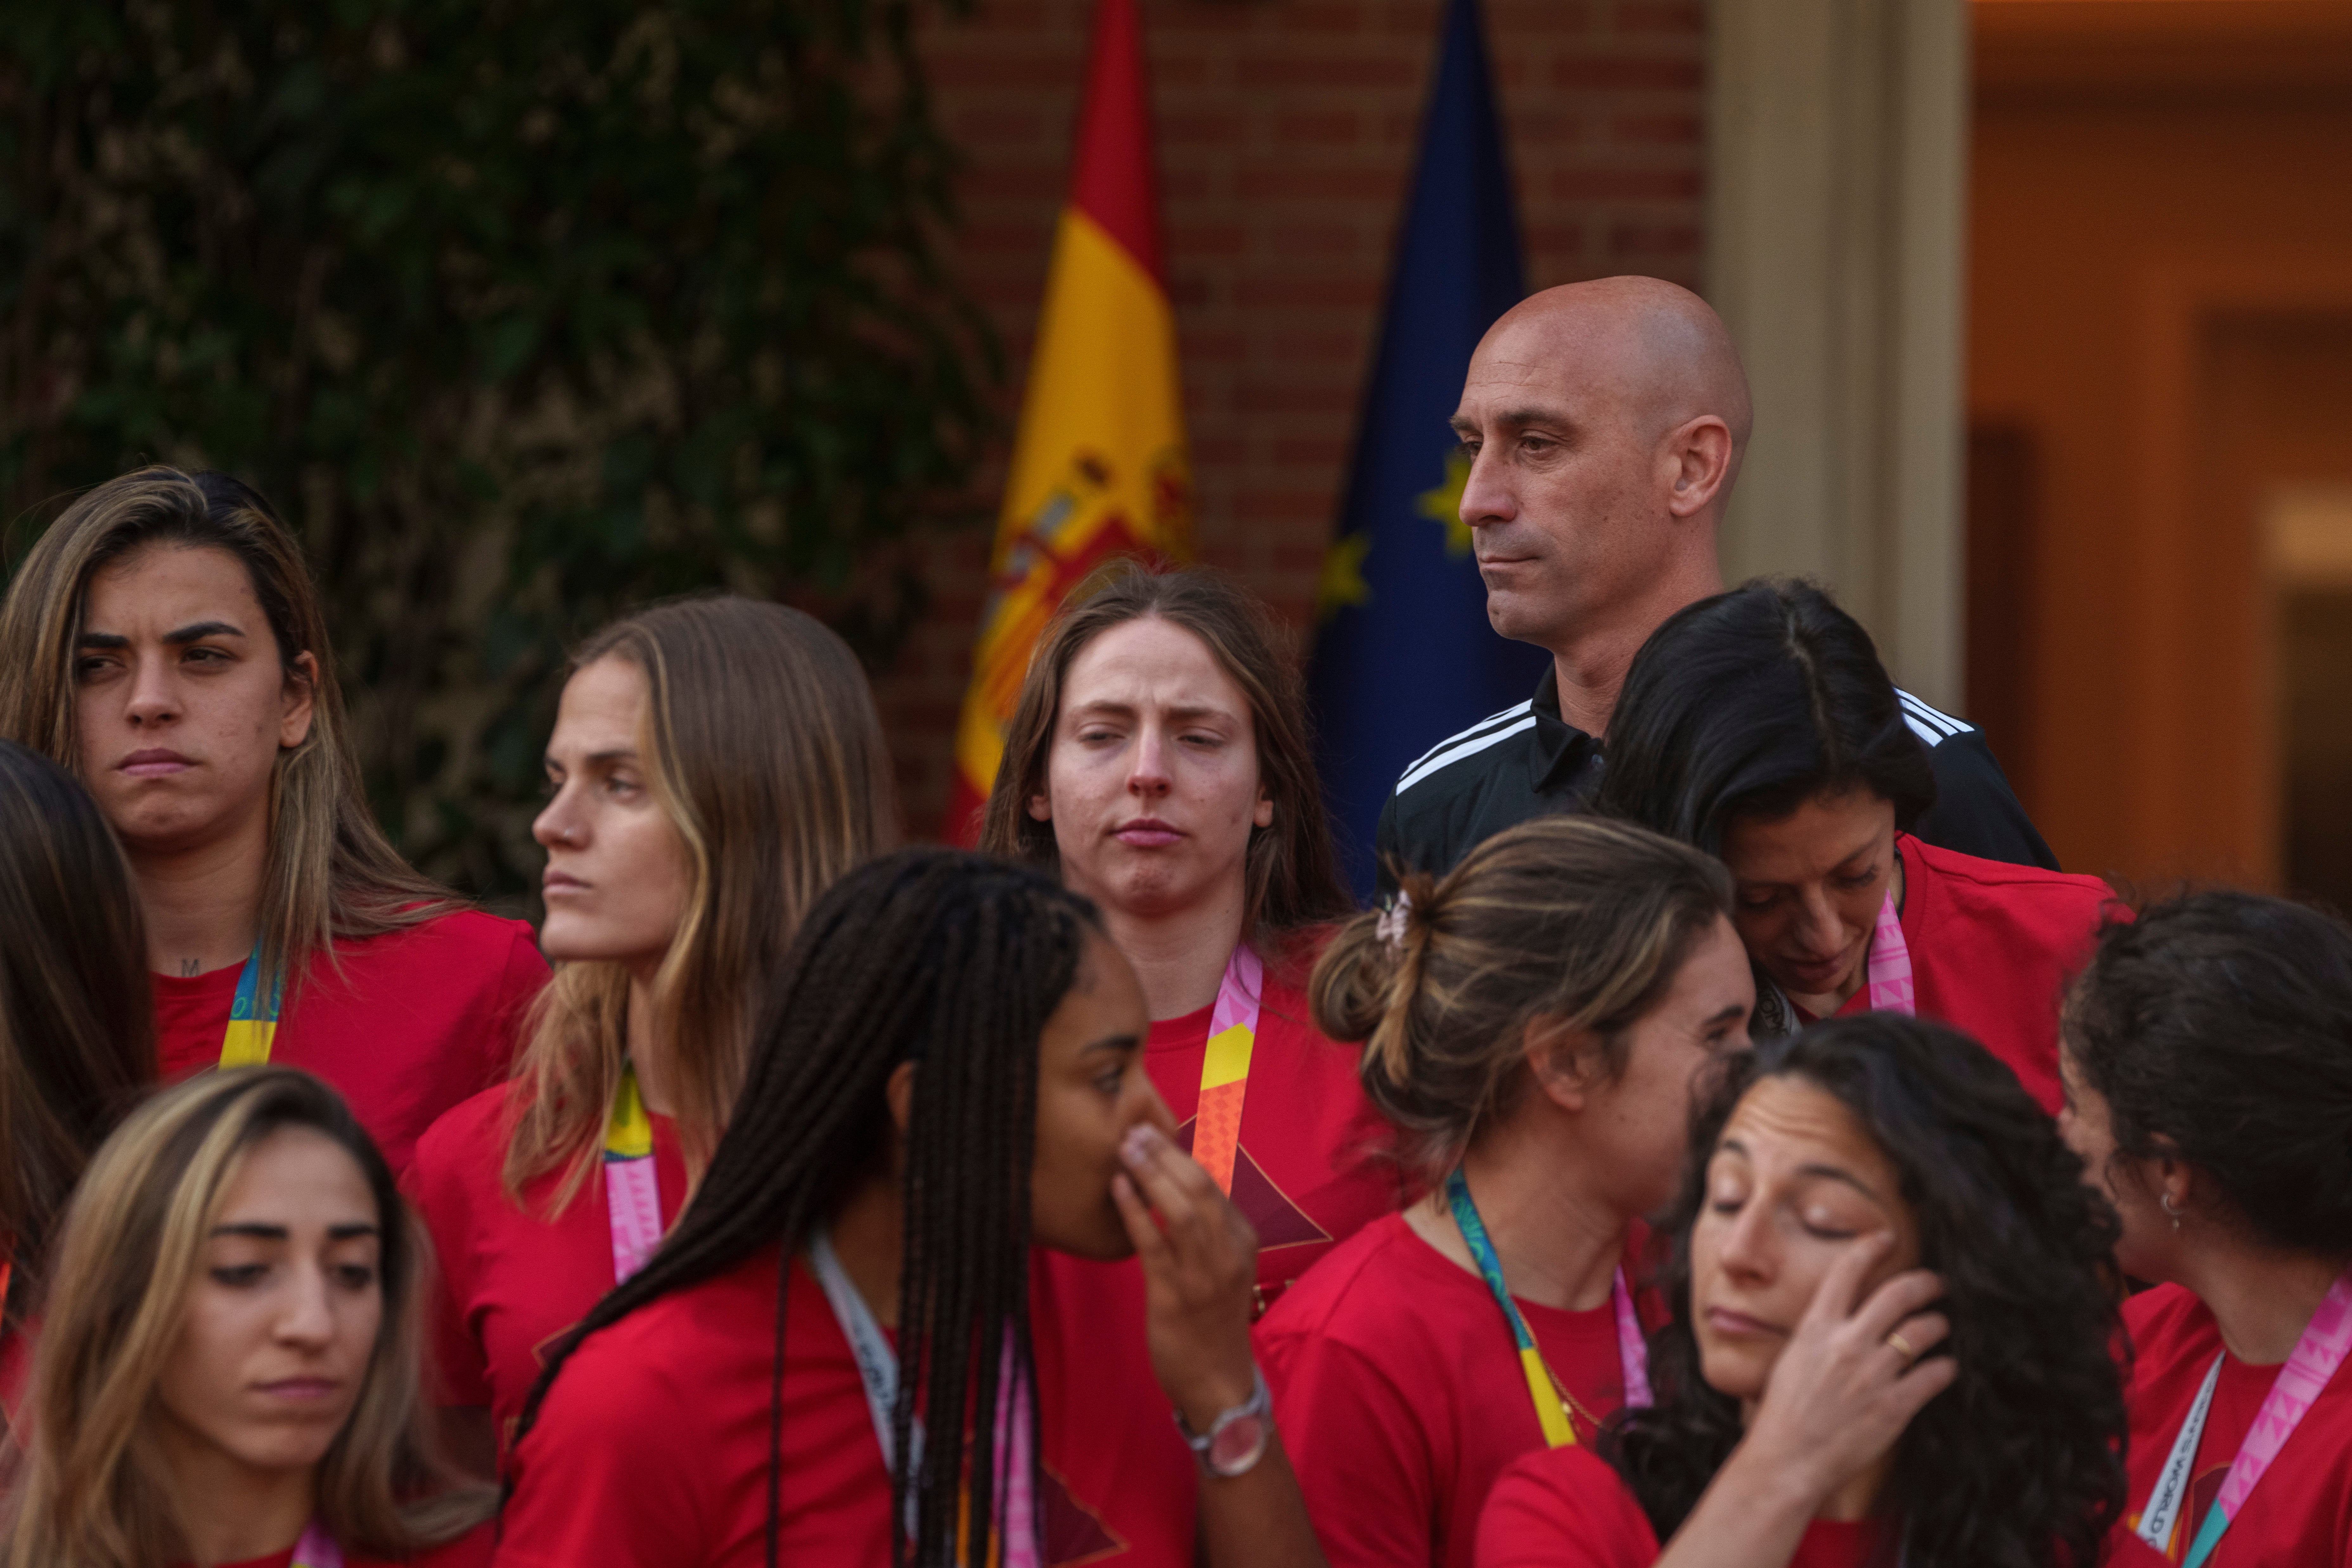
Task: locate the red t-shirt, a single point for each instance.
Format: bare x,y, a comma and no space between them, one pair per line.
652,1448
511,1278
1313,1166
1564,1508
1992,948
1399,1394
417,1020
2300,1511
471,1550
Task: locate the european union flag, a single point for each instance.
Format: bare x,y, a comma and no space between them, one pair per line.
1403,656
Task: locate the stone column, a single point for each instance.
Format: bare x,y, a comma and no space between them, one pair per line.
1837,234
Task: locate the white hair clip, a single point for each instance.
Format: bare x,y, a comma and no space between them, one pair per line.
1394,922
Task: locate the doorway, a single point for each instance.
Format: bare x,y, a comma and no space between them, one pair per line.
2307,536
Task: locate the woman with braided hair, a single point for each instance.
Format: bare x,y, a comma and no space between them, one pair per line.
1534,1023
1160,764
898,1323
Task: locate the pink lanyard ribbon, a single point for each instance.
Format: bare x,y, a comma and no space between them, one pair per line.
1889,970
316,1549
1633,1351
632,1186
877,1369
2318,1352
1886,975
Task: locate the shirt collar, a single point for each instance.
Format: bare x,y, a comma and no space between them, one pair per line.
1562,751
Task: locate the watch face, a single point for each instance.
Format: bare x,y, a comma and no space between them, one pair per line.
1237,1448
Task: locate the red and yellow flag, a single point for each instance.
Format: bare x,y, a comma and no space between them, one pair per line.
1098,464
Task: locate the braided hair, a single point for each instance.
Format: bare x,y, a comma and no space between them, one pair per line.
955,960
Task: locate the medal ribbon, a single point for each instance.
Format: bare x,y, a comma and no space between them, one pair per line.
877,1369
1632,1355
251,1025
1225,1067
2318,1352
316,1549
632,1185
1889,970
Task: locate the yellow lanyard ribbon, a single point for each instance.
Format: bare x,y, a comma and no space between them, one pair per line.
252,1026
1225,1067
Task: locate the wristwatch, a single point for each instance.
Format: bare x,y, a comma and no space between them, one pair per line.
1237,1438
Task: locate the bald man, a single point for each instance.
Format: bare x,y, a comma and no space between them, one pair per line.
1604,423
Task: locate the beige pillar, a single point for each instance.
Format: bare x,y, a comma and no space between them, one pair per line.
1836,227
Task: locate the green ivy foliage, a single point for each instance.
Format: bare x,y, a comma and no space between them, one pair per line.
524,312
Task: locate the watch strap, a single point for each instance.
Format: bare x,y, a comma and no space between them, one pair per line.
1258,1406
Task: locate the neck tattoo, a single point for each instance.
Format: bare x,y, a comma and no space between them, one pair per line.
188,970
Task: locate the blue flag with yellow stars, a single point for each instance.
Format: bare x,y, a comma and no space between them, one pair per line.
1403,656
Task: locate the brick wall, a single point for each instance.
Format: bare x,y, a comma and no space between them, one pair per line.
1286,132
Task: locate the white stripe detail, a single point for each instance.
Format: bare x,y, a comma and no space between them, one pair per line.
1928,736
1467,749
1942,721
1515,709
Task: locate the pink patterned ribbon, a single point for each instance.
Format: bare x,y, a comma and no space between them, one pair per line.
1890,964
2321,1350
1633,1351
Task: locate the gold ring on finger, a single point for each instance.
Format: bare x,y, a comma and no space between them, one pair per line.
1901,1345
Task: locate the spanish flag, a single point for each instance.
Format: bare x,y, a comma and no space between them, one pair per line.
1098,464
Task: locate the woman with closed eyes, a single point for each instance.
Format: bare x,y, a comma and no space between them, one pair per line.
1891,1319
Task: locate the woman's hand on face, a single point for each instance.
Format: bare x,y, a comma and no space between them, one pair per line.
1842,1392
1200,1264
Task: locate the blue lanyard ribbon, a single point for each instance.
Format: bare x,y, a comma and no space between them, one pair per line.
1548,1393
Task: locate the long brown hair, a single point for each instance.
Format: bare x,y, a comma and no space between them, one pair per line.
1291,876
1577,921
765,754
76,1024
95,1494
332,873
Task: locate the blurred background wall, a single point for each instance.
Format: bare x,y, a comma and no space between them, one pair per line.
2160,431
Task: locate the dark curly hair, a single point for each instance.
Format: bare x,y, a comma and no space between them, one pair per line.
2020,1463
1751,703
2218,1028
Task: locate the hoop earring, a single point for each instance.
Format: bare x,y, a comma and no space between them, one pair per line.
2164,1201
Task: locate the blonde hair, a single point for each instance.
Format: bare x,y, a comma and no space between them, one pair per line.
765,752
96,1493
1580,922
330,873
